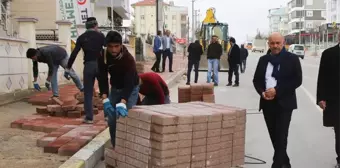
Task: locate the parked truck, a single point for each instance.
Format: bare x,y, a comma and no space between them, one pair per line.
259,45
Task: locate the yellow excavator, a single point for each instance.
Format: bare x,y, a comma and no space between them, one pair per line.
210,26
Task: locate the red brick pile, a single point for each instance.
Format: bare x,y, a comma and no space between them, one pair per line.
68,105
65,136
182,135
196,92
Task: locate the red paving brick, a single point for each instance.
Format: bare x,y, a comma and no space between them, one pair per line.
66,134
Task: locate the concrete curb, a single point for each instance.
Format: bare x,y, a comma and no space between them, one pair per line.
93,152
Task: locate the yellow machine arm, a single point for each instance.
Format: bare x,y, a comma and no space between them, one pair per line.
210,16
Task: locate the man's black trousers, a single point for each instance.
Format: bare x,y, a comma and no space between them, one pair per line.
233,69
196,64
167,54
155,66
278,120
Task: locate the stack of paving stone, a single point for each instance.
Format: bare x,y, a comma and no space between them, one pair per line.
140,67
196,92
70,106
182,135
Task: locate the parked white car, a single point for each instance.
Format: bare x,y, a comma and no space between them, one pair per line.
298,50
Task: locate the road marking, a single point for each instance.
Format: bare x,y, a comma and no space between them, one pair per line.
311,98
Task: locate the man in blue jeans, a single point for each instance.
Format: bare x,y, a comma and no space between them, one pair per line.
124,80
214,54
54,56
92,43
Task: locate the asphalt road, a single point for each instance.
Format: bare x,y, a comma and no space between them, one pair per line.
310,145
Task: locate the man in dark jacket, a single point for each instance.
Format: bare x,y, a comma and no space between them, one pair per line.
195,51
234,61
54,56
214,54
124,80
243,55
92,42
276,78
328,92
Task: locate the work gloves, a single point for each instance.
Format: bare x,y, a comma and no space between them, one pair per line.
36,86
67,74
121,109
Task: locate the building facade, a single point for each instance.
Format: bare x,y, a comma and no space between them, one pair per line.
48,12
305,15
275,15
175,18
332,11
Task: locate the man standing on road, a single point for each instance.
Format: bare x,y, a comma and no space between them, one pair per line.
92,42
328,92
158,50
124,80
168,41
243,55
214,54
195,51
54,56
234,61
276,78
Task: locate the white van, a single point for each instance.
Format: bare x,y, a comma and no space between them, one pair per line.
298,50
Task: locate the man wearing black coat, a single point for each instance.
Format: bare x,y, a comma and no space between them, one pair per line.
234,61
328,92
276,78
243,56
195,51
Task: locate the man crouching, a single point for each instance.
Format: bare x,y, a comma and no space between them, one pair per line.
120,64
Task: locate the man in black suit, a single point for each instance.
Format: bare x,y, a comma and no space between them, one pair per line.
243,56
277,76
328,92
234,61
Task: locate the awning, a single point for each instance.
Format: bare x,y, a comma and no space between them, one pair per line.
121,7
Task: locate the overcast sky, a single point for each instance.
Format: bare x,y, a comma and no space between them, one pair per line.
243,16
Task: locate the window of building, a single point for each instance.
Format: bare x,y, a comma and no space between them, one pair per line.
165,17
333,18
173,17
333,5
309,25
309,13
183,17
309,2
142,17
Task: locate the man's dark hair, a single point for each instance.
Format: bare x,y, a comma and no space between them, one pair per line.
232,39
113,37
91,22
31,52
214,36
197,41
159,32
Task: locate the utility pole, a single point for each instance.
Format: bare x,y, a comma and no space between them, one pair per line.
157,15
193,23
112,19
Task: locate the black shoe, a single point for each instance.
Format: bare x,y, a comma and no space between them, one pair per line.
188,83
215,84
337,166
171,71
229,84
236,85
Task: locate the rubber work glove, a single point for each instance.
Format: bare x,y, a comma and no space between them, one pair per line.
48,85
67,74
36,86
121,109
108,109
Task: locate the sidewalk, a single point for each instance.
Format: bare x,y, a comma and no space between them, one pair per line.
66,136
